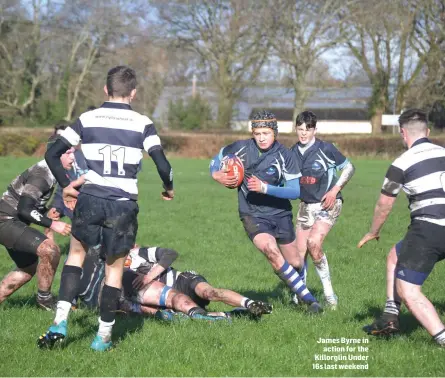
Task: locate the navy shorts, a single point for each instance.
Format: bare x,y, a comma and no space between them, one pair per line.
21,241
112,223
419,251
280,227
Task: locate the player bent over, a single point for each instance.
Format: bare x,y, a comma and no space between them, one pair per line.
23,204
137,296
321,199
146,264
271,181
113,137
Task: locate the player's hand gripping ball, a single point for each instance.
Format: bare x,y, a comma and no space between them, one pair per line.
234,167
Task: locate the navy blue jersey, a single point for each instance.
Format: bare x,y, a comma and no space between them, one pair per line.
113,137
274,167
318,165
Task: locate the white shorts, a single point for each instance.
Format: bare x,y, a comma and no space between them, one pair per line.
309,213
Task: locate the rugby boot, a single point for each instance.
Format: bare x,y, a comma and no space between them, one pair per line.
171,316
331,302
385,325
49,303
100,345
258,308
54,336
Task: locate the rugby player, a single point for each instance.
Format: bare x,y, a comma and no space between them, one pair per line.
320,196
271,180
113,137
420,173
139,295
146,264
21,205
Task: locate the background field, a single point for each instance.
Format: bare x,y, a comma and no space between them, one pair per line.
202,224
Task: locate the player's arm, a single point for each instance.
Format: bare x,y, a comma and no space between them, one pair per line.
219,175
162,258
152,144
27,207
69,137
391,187
290,191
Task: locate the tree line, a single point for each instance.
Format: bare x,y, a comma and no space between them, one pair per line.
54,54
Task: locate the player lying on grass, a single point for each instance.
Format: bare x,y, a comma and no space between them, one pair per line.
150,283
23,204
135,297
271,180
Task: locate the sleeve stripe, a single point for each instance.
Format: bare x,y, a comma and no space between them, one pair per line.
71,136
151,141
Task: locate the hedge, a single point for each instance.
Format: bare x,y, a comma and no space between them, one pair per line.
203,145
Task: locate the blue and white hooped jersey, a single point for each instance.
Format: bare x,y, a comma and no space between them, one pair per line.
274,167
318,165
113,137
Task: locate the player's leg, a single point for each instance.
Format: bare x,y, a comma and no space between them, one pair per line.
422,309
231,298
86,229
388,322
421,249
15,279
26,246
119,231
267,244
324,221
303,224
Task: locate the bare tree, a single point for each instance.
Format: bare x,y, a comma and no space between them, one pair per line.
300,32
23,55
378,34
228,38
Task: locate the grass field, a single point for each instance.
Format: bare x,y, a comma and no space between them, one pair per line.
202,224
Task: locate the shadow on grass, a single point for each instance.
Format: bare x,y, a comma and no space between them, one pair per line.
408,323
20,302
281,293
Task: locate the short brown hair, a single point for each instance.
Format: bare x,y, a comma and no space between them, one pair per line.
121,80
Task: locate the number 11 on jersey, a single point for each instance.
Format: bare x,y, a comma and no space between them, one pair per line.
119,153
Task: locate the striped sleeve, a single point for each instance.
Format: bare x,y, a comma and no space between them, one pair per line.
73,134
393,182
151,139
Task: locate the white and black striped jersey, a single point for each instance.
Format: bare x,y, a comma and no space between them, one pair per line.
113,137
141,260
36,182
420,172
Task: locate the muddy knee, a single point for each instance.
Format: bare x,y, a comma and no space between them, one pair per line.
49,250
314,247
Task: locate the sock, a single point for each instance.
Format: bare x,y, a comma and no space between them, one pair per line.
322,268
439,338
69,283
109,303
41,294
246,302
62,312
392,307
196,310
288,274
105,330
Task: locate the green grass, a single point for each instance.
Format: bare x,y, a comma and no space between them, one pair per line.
202,224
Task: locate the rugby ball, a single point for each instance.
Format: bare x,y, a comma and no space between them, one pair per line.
233,165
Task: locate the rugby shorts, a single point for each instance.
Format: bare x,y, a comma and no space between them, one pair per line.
280,227
111,223
422,247
309,213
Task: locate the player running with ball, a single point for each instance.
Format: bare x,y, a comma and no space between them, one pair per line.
271,181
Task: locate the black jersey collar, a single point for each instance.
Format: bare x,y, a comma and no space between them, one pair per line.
419,141
116,105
